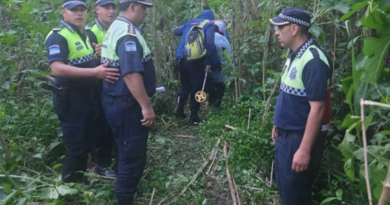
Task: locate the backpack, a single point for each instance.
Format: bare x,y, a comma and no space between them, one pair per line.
195,42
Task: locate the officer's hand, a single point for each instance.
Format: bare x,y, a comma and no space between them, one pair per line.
108,74
98,49
301,160
207,69
273,135
149,116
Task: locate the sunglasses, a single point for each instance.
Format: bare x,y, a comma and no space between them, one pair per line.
280,27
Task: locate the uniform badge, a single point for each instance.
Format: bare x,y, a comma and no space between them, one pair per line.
130,46
293,73
54,49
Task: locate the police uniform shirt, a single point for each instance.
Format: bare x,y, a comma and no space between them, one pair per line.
58,49
131,60
292,110
94,30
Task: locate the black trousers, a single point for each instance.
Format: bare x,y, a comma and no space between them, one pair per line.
131,139
295,188
191,79
76,111
104,141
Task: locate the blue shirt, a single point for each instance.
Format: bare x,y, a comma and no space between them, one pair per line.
59,41
292,111
183,30
132,61
221,43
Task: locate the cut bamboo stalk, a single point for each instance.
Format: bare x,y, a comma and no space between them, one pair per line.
272,173
385,199
185,136
251,188
249,118
228,175
167,197
200,170
366,167
265,57
230,127
151,199
236,191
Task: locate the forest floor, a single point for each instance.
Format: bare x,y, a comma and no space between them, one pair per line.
175,154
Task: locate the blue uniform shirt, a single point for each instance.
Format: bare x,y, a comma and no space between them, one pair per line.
292,111
61,53
131,61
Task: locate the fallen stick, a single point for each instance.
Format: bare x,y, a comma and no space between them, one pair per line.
229,176
236,190
212,162
252,188
249,118
200,170
167,197
272,174
230,127
236,129
151,199
185,136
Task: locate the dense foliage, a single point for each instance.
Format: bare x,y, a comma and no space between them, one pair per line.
355,32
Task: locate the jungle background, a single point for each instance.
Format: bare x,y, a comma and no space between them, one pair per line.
356,33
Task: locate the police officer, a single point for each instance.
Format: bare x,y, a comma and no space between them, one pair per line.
103,139
71,61
126,102
300,108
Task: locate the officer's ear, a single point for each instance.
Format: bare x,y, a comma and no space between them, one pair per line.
294,29
63,12
132,7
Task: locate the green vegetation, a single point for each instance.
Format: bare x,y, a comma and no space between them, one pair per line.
355,32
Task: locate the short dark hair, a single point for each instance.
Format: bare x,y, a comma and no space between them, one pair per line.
304,30
124,6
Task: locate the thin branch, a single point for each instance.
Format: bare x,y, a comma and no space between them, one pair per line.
249,118
200,170
272,173
368,102
151,199
366,168
251,188
228,175
386,190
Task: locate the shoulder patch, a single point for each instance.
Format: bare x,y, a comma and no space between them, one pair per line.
58,28
54,49
130,46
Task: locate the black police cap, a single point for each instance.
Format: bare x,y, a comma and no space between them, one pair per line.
292,15
143,2
104,2
71,4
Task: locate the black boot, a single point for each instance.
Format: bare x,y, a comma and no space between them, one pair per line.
125,202
179,108
195,119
